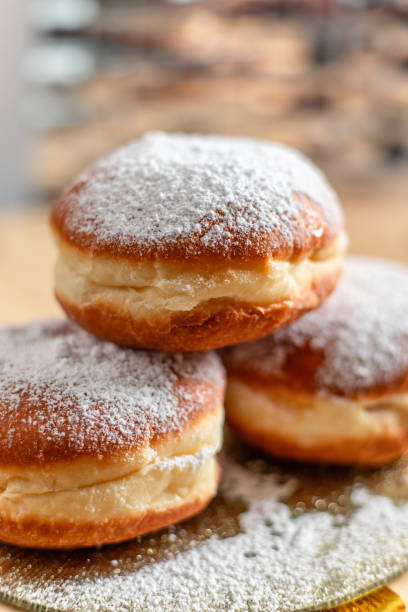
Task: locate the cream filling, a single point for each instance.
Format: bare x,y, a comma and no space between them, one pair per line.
180,470
313,420
161,286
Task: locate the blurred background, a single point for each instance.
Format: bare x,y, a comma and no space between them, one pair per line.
329,77
82,76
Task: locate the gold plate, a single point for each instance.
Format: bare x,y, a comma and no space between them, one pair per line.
277,537
379,600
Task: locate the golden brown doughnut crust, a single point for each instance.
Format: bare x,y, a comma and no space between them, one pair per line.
54,409
312,233
38,534
183,197
332,386
207,326
184,206
354,346
99,444
372,451
299,376
61,450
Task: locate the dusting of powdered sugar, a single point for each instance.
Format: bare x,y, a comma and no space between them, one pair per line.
276,562
361,332
207,190
71,392
192,462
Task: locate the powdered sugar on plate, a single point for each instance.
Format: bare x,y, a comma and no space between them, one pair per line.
361,331
167,189
64,391
272,560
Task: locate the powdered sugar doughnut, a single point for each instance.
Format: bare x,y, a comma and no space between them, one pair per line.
181,242
99,444
332,386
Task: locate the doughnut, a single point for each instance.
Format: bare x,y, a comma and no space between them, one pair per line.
186,242
332,386
100,444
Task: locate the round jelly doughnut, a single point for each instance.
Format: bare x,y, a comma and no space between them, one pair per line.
185,242
100,444
332,386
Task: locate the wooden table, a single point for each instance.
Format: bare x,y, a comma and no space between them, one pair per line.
27,256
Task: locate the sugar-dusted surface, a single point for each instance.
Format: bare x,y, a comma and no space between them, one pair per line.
253,549
189,195
64,393
356,342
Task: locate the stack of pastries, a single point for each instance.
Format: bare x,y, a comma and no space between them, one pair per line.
171,247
